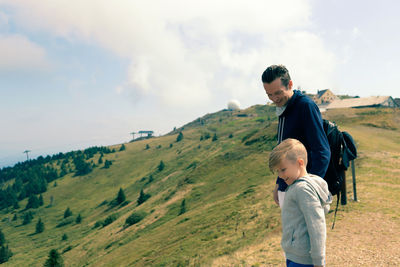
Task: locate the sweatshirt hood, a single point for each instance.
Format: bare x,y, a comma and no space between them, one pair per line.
321,187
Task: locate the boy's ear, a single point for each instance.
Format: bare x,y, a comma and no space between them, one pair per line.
300,161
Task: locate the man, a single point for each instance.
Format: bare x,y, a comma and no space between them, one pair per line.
299,118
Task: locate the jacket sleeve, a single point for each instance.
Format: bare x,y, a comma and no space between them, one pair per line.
317,142
314,215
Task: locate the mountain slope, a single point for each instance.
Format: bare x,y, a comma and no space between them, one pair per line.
220,169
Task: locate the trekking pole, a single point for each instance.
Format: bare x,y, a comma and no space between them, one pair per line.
343,197
353,171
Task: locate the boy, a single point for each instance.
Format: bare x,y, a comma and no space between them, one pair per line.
306,202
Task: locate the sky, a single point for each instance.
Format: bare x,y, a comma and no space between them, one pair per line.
81,73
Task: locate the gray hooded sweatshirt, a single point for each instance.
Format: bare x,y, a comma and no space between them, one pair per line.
306,203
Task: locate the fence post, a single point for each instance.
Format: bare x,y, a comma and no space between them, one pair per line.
353,171
343,197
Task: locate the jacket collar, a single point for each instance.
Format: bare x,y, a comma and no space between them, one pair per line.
296,94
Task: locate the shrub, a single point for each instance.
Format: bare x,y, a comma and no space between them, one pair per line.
65,221
135,218
183,207
110,219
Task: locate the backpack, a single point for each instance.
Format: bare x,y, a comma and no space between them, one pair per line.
343,150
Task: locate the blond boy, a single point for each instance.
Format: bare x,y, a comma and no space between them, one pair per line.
304,208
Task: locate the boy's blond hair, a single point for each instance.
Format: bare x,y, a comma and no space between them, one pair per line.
290,149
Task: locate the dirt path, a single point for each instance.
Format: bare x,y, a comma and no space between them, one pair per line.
364,239
359,239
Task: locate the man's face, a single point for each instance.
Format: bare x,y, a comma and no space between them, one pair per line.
289,171
278,93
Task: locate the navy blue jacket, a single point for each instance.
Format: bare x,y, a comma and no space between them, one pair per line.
302,120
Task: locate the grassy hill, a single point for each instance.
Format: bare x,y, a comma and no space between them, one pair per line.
219,170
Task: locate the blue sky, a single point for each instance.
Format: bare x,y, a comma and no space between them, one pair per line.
75,74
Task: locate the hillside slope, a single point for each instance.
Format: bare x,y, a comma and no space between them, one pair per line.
219,171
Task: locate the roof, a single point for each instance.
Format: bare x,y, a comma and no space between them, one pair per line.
361,102
321,92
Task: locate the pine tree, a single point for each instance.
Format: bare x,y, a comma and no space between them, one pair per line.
41,200
33,202
16,204
67,213
64,237
5,254
27,218
81,166
161,166
63,170
121,196
122,148
142,197
179,137
107,164
78,218
39,226
215,137
54,259
2,238
100,160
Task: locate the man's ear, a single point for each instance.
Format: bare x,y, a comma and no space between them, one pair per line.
290,85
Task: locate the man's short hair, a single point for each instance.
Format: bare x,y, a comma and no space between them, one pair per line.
290,149
276,71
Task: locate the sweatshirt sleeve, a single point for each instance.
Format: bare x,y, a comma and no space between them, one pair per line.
317,142
314,216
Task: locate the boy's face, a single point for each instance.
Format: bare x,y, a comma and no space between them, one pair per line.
289,170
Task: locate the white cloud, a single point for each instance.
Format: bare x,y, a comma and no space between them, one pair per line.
3,20
19,53
188,53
